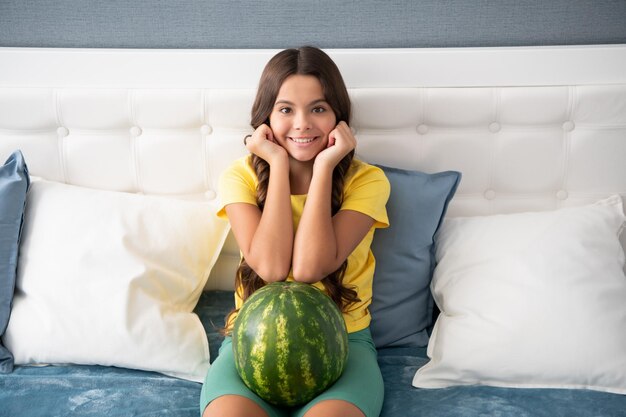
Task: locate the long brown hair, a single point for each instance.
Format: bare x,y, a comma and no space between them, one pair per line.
302,61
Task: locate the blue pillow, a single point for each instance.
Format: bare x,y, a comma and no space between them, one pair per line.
14,183
402,305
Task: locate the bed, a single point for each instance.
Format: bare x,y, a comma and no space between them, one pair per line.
508,173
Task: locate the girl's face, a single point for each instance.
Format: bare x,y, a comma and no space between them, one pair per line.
301,118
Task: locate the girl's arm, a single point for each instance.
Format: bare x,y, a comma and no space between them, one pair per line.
266,237
323,242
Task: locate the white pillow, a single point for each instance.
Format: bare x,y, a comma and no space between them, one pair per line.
112,278
531,300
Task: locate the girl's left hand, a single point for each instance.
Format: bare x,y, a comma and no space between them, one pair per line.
340,142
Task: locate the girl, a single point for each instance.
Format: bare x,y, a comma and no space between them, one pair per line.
301,208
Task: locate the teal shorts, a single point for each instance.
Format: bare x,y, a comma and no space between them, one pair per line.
361,382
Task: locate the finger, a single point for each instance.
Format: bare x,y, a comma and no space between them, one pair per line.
347,130
265,132
343,129
331,138
344,137
348,134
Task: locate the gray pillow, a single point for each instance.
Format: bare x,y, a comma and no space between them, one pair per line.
402,305
14,183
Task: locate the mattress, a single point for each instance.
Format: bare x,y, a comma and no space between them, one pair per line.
73,390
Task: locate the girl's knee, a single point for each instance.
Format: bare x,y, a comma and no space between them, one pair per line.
334,408
233,406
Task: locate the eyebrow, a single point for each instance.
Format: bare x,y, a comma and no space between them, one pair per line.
314,102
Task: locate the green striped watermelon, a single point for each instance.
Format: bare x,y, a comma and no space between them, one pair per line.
290,342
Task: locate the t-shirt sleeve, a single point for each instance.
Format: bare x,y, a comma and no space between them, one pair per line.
236,185
367,192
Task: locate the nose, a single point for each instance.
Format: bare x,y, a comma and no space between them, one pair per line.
302,121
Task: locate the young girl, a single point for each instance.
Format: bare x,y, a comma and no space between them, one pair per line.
301,208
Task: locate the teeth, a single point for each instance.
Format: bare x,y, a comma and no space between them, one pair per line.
302,140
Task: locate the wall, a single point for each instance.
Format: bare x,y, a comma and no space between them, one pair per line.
324,23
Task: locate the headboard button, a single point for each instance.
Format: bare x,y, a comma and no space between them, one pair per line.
206,129
422,129
490,194
135,131
63,131
569,126
210,194
494,127
561,194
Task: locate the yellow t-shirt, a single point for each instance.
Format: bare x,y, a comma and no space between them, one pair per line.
366,190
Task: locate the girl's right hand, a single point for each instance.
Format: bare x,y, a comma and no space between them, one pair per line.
263,144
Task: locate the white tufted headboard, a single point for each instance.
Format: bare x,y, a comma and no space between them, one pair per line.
530,128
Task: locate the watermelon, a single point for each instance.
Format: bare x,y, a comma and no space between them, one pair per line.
290,342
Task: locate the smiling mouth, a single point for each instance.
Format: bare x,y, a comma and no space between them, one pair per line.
303,140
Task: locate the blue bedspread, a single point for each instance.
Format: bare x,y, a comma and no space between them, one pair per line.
105,391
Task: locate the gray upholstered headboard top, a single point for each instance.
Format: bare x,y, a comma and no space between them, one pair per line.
529,128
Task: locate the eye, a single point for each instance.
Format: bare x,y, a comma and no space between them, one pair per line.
285,110
319,109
